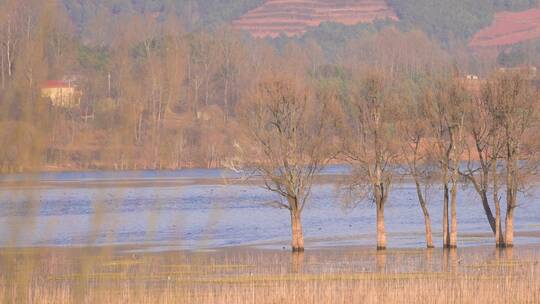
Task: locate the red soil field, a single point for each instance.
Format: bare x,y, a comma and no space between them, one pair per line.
509,28
294,17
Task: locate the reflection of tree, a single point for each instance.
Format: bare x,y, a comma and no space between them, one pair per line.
450,260
297,262
381,259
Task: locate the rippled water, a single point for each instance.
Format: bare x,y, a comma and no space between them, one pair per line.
195,209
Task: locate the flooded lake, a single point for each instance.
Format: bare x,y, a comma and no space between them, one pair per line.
208,209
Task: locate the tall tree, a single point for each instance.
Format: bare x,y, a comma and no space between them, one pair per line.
368,143
482,153
286,137
513,103
444,104
414,137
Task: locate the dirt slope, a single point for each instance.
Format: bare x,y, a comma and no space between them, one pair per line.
294,17
509,28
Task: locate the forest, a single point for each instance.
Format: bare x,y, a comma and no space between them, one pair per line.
443,20
453,20
159,93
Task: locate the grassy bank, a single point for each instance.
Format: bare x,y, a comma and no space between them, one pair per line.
344,275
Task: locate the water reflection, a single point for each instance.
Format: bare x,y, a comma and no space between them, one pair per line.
381,256
297,262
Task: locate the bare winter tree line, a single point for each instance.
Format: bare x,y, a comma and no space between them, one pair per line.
447,133
393,105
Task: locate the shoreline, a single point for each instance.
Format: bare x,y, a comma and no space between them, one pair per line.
172,181
246,275
312,245
335,173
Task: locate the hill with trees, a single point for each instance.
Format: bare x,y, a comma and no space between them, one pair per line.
457,19
509,28
194,13
160,92
295,17
445,20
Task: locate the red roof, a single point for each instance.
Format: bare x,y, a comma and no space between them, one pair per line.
56,84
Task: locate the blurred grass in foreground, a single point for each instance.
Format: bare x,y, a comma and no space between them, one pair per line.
242,275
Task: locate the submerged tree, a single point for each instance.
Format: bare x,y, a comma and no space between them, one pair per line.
416,157
445,104
483,151
513,104
286,142
368,143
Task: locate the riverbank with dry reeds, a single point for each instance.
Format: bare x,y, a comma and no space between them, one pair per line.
244,275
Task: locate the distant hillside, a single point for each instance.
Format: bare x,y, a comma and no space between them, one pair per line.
442,19
194,13
509,28
457,19
295,17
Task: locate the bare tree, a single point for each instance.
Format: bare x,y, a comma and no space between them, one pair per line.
286,143
368,143
230,49
445,111
482,153
513,104
414,134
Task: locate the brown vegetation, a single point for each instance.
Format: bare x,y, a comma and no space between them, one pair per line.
158,98
94,275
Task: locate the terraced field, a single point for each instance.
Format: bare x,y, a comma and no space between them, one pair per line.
509,28
294,17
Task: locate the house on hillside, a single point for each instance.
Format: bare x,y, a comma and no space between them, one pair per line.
473,83
62,93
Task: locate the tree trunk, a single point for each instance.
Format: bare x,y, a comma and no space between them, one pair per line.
8,50
446,231
499,239
3,68
453,216
206,85
429,236
487,210
427,220
511,191
453,192
509,233
381,233
297,234
483,186
226,100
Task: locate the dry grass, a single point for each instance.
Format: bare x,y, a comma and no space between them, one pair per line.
116,275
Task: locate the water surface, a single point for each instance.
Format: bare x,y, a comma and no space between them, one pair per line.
204,209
